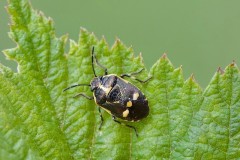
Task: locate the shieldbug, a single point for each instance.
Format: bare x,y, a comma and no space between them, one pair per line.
117,96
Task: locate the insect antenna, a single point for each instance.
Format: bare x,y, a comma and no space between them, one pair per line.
94,57
76,85
93,62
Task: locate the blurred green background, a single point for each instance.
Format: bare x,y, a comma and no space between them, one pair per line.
199,35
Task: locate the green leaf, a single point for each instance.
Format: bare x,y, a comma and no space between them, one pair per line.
39,121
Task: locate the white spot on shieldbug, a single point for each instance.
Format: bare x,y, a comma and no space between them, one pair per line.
116,102
135,96
125,113
105,89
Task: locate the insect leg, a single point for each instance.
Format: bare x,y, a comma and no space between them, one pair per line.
76,85
84,95
143,81
94,57
135,73
99,110
132,127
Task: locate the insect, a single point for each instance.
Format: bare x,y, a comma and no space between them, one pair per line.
117,96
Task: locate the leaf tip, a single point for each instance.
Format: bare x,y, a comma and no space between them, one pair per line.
192,77
164,56
6,8
118,44
181,67
72,43
233,64
117,41
82,29
103,39
140,58
64,38
220,70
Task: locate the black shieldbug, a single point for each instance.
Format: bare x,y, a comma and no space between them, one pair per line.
117,96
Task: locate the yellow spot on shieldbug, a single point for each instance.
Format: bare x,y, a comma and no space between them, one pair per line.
125,113
129,104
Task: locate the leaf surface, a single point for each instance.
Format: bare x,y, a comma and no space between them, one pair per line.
39,121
